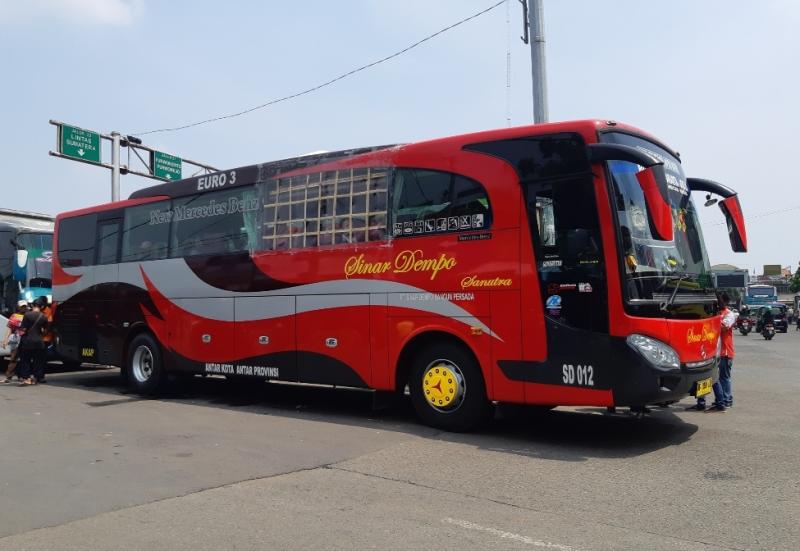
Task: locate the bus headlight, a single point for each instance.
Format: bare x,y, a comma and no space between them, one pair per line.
656,352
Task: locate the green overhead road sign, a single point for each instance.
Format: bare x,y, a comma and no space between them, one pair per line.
80,144
168,167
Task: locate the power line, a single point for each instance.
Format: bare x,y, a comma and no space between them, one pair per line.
329,82
764,214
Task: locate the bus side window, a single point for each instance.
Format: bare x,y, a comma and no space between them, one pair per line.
108,234
427,201
217,223
469,197
145,232
76,238
420,194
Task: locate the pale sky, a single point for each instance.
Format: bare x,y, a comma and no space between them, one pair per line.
715,79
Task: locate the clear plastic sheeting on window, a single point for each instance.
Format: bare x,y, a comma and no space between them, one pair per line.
427,201
218,223
325,208
145,234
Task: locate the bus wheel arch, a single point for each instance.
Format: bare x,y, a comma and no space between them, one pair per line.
445,362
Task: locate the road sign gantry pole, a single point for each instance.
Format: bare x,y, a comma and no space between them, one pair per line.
114,166
82,145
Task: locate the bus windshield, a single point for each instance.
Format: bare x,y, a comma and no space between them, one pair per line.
40,256
652,266
37,244
761,291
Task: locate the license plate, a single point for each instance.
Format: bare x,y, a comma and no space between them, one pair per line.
703,387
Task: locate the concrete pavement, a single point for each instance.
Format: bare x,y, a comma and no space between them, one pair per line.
85,466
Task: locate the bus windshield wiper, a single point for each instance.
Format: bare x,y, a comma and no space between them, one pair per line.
665,306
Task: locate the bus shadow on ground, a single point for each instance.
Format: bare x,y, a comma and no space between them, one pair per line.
560,434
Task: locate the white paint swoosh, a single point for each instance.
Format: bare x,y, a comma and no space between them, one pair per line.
175,280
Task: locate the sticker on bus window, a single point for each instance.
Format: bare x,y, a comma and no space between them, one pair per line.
430,225
441,224
408,228
418,227
553,305
585,288
477,220
464,222
452,223
398,228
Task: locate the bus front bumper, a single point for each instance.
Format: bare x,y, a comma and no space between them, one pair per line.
655,386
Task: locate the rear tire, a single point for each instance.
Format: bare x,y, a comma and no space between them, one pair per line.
144,366
447,388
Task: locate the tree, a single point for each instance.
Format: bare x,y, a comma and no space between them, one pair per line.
794,283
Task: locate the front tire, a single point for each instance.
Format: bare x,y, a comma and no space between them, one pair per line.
145,365
447,388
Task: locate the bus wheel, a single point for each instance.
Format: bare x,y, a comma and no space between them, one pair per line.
447,388
145,367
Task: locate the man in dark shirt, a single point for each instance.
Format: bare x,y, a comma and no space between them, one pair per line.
31,346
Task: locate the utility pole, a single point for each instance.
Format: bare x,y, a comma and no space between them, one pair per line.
538,65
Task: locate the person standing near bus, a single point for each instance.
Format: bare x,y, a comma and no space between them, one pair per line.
12,337
47,338
723,391
31,345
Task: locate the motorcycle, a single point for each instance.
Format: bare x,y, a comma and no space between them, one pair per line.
744,326
768,331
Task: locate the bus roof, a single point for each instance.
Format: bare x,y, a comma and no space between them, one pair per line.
23,220
261,172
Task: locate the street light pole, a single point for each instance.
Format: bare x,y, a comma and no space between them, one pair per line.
115,166
538,65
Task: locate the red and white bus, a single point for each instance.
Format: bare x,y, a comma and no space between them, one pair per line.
556,264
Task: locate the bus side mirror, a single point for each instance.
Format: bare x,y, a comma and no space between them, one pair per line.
653,182
737,233
20,270
730,208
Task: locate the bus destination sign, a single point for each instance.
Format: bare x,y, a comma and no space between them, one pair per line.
80,144
166,167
